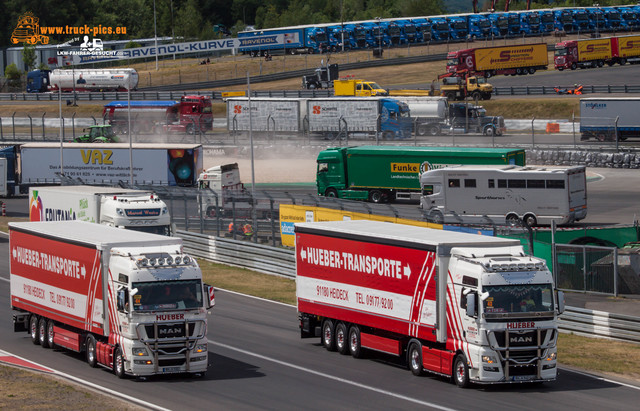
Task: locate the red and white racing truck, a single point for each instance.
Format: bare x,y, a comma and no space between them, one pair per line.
131,301
471,307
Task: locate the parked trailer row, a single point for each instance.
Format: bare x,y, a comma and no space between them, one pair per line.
379,33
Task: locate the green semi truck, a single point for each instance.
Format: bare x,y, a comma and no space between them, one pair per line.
388,173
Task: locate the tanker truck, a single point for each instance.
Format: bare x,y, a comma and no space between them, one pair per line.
41,81
491,61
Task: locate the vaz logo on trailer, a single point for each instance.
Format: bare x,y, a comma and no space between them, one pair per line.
96,156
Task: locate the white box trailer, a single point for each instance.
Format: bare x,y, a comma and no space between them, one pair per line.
138,210
601,118
157,164
268,114
504,194
4,191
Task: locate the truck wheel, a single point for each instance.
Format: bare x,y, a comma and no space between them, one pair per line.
414,358
461,371
451,96
476,95
600,63
512,219
331,192
190,129
436,217
530,220
574,66
92,359
376,196
341,339
42,332
422,129
118,363
312,86
623,62
328,337
532,70
50,333
489,131
34,330
434,130
387,135
355,347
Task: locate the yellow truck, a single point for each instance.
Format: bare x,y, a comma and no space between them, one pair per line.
357,88
453,88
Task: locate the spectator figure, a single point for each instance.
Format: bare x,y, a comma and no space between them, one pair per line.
81,80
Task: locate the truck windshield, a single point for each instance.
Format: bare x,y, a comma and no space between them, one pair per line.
560,52
167,295
517,299
453,62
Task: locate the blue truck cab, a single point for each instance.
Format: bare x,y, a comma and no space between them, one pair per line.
479,26
530,22
513,21
339,34
459,27
614,21
395,33
410,31
564,20
38,81
423,30
316,39
629,17
582,21
360,36
547,21
440,29
395,119
500,24
378,34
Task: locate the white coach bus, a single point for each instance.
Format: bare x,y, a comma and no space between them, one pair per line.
503,194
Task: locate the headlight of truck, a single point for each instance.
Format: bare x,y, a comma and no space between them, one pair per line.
165,210
201,348
551,357
489,359
139,352
120,211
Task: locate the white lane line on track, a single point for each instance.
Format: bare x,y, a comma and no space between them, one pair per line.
95,387
332,377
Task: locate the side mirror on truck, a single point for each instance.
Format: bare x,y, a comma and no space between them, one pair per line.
210,298
560,302
471,304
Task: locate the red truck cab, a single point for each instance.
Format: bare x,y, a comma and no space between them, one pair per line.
566,55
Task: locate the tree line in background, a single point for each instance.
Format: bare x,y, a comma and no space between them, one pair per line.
208,19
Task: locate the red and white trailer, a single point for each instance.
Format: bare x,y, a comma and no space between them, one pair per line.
467,306
131,301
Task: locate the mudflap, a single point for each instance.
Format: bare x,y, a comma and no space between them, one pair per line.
21,322
309,326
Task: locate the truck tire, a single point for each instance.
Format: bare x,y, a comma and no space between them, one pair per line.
461,371
50,333
387,135
532,70
311,86
451,96
421,129
489,131
414,358
118,363
574,66
376,196
328,335
530,220
33,329
436,217
434,130
342,344
512,219
331,192
42,332
90,346
476,95
355,347
622,62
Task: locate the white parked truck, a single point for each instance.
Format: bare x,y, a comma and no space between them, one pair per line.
131,302
504,194
117,207
471,307
602,118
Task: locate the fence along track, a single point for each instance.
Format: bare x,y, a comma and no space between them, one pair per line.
281,262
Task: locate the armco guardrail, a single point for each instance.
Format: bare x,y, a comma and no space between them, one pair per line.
281,262
258,257
602,324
